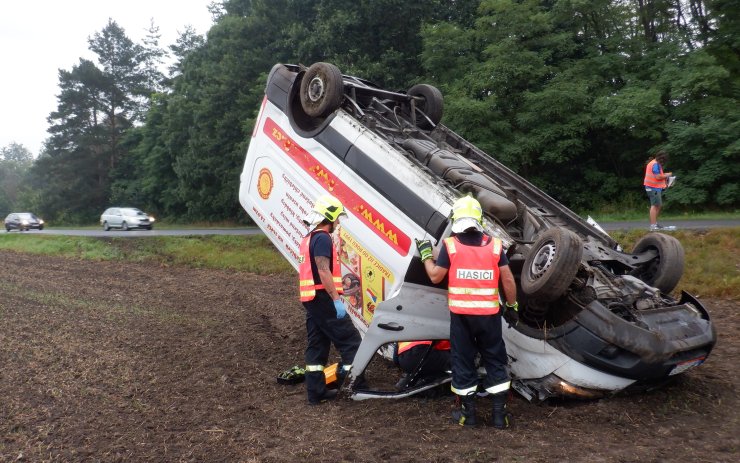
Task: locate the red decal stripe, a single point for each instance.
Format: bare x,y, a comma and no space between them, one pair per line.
332,184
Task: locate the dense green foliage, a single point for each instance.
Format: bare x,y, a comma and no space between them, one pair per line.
573,94
15,160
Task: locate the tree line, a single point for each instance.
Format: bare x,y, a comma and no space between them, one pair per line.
574,95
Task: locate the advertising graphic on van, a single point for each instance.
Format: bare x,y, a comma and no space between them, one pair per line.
264,183
334,186
281,207
366,280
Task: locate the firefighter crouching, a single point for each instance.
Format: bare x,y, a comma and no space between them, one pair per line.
320,289
475,263
422,361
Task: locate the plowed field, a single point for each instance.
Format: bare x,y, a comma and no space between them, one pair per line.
105,361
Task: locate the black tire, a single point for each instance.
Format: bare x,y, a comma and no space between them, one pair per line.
551,264
106,227
41,227
124,226
666,269
322,90
432,104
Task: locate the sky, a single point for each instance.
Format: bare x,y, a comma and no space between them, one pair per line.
37,38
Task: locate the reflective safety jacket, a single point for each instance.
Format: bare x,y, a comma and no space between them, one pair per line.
406,345
306,283
473,276
652,179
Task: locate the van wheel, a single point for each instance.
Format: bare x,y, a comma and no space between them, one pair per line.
431,104
665,270
124,226
105,226
551,264
322,89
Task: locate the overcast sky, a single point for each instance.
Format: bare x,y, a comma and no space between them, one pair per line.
39,37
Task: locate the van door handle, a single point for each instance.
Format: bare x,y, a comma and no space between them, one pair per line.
392,326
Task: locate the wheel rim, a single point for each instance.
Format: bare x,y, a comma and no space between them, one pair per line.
315,89
543,260
649,271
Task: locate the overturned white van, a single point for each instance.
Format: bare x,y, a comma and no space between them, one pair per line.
594,320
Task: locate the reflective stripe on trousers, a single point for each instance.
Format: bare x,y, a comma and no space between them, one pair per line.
499,388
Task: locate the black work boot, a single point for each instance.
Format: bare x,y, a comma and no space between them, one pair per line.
500,417
316,388
403,382
465,415
361,383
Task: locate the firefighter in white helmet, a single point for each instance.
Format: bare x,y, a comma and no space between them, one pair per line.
320,284
475,263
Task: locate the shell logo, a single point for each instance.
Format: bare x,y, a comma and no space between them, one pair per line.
264,183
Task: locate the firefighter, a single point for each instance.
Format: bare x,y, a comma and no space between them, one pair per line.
475,263
421,361
320,284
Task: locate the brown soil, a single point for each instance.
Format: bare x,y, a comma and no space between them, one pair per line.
132,362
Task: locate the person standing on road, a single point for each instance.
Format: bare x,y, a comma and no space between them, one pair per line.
475,263
655,182
320,284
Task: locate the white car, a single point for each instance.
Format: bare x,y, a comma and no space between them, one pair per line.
125,218
594,320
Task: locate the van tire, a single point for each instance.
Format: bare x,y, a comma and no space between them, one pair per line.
322,90
551,264
432,106
666,270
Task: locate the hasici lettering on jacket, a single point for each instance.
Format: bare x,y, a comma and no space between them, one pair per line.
472,274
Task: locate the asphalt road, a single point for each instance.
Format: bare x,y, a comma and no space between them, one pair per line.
608,226
142,233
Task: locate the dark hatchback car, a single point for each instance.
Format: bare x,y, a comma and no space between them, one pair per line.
23,221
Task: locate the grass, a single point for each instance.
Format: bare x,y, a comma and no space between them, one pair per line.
620,215
252,253
712,267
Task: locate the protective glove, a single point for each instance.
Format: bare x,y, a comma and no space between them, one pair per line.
339,307
511,313
425,249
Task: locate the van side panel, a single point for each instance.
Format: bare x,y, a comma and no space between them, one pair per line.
284,173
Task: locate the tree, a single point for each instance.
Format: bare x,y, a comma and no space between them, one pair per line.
576,95
15,160
187,42
97,105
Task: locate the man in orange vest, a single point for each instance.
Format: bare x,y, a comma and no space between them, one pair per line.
655,182
320,283
475,263
422,360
